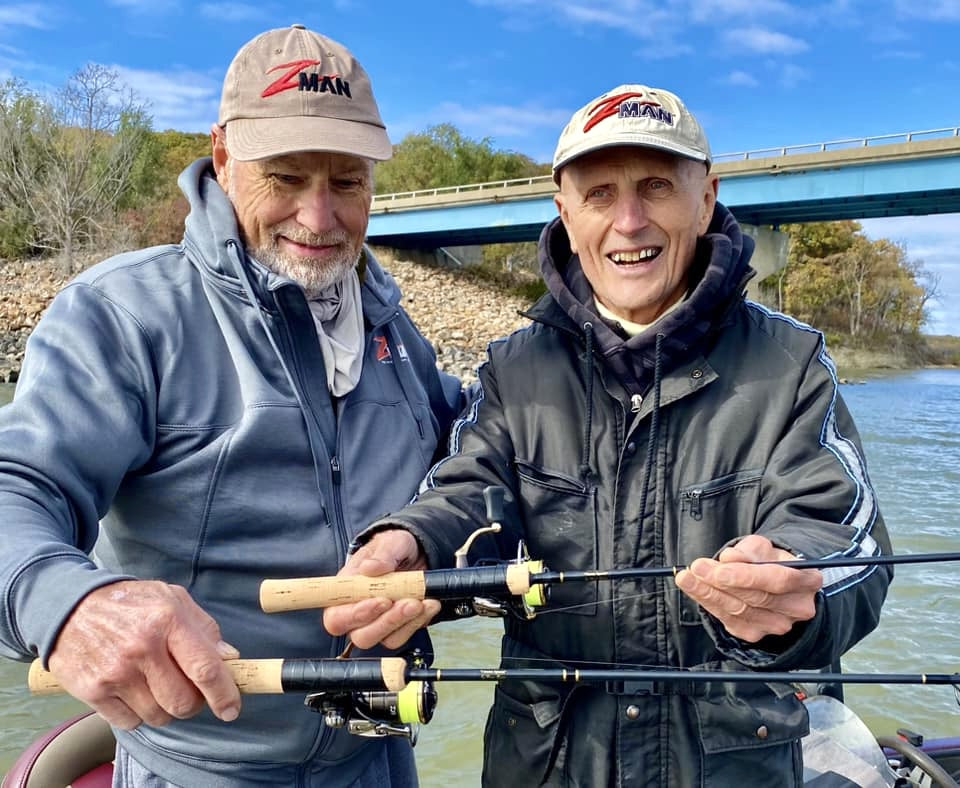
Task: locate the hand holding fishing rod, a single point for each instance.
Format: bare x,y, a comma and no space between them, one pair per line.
754,588
392,696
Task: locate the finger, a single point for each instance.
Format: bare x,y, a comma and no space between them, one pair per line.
175,695
430,609
395,620
341,619
753,549
754,625
204,668
117,713
766,579
717,601
196,654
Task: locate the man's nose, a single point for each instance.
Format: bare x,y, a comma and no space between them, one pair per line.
631,215
317,211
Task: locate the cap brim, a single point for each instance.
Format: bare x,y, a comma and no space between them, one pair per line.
628,141
249,139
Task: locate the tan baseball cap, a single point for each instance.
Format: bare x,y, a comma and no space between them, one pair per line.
632,115
293,90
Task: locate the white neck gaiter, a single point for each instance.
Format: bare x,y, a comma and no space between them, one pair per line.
338,316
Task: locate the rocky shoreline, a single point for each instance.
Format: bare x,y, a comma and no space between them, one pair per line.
457,311
459,314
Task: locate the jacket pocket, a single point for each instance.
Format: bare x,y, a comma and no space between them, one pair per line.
519,739
563,511
711,514
750,734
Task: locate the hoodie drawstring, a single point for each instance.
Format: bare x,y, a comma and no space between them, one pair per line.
654,430
585,469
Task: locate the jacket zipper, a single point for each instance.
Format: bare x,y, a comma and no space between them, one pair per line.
697,494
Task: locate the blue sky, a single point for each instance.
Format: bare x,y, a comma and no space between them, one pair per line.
757,73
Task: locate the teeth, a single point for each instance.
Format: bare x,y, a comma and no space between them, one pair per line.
633,257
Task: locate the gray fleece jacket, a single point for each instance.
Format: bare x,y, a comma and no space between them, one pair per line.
173,418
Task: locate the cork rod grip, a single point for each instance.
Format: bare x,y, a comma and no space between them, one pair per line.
252,676
314,592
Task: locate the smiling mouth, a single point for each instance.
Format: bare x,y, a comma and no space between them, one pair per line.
639,256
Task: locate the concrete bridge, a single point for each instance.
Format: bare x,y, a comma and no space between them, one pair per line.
914,173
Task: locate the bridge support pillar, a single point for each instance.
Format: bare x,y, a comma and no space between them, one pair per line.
769,256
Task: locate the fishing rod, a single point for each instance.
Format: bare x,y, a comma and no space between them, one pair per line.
524,580
391,695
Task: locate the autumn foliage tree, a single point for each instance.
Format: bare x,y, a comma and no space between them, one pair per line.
843,283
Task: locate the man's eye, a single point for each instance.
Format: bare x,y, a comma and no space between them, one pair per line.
599,193
283,177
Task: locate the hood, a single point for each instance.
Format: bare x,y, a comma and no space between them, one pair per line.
719,273
212,241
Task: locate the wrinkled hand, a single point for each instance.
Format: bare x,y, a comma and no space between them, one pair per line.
752,601
143,651
374,621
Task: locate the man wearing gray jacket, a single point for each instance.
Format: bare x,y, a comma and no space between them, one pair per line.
204,415
650,416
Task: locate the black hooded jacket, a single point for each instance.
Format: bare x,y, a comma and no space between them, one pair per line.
720,420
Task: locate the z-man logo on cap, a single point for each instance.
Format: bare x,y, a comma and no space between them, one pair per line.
622,107
295,78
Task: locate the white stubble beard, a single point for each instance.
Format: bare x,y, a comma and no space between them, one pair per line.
312,275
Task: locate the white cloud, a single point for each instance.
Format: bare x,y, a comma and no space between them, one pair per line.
930,10
147,6
709,11
764,42
741,79
640,18
232,12
792,75
182,100
935,241
32,15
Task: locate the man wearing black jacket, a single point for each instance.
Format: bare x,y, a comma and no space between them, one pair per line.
650,416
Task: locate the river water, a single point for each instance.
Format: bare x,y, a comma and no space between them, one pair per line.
910,424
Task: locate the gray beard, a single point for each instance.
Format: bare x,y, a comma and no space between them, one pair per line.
307,273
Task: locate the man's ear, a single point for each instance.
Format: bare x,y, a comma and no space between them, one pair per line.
558,200
711,189
218,141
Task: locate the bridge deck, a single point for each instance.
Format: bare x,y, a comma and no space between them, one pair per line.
860,181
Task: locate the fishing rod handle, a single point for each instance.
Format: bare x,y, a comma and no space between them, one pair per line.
252,676
304,593
276,676
317,592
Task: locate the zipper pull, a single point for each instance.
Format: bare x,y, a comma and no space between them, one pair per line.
335,469
635,402
696,507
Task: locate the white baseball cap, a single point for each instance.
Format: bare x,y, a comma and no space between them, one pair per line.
632,115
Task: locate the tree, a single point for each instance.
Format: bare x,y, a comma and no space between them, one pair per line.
442,156
70,160
840,281
22,113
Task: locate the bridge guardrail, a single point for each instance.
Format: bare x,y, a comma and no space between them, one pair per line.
383,201
824,147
